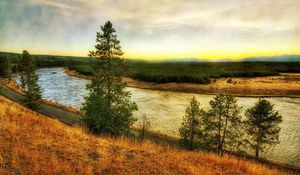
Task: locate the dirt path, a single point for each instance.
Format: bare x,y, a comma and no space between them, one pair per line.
46,109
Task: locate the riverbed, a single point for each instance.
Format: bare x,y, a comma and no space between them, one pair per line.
165,109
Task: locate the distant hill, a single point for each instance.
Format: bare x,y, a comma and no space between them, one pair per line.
281,58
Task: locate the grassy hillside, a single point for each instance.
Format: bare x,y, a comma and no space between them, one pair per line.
33,144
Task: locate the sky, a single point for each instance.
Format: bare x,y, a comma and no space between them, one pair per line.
154,29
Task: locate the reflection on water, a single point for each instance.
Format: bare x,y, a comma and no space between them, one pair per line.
165,109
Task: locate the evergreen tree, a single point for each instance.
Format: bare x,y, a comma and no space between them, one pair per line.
2,65
108,108
192,129
29,81
5,67
224,123
262,125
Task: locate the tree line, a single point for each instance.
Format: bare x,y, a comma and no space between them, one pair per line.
108,108
221,128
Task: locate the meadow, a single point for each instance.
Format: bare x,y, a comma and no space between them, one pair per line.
166,72
196,72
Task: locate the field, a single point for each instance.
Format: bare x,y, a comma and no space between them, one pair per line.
172,72
34,144
196,72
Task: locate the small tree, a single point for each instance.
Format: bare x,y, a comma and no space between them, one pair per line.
192,126
29,81
5,67
262,125
108,108
144,125
2,65
224,122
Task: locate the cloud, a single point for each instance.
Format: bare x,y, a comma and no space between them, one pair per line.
53,3
151,26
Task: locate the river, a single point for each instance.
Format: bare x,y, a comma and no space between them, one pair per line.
166,109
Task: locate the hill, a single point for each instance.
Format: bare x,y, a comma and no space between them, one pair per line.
31,143
278,58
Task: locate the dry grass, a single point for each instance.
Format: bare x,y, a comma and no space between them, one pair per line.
283,85
31,143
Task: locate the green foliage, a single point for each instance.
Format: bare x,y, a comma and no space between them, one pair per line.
170,78
224,123
193,127
5,67
262,125
194,72
29,81
108,109
82,69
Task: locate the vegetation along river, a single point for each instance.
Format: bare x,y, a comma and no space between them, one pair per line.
166,109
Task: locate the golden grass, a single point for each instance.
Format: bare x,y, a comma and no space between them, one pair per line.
31,143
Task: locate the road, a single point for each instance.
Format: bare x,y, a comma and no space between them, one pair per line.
46,109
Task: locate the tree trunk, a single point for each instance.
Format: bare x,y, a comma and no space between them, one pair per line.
192,138
257,151
223,139
219,136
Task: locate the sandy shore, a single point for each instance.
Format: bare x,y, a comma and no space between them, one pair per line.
283,85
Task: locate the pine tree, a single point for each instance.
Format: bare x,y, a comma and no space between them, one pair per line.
29,81
2,65
262,125
224,122
108,108
5,67
191,130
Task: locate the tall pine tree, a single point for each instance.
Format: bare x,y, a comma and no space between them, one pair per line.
262,125
192,130
108,108
224,122
29,81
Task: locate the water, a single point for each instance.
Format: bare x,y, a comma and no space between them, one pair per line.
166,109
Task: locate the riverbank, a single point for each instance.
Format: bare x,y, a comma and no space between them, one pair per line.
163,139
283,85
68,114
41,145
12,84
